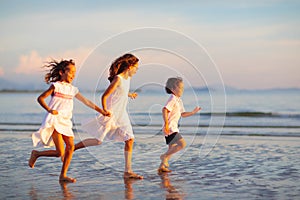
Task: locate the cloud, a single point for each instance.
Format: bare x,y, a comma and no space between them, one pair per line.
246,40
1,71
33,62
29,64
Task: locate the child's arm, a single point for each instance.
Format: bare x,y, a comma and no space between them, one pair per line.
187,114
132,95
112,87
165,113
43,96
90,104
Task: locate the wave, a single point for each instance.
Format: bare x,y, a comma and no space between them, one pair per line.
188,129
234,114
199,132
255,114
27,125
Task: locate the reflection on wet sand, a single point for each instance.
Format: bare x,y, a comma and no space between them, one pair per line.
32,193
41,192
66,192
171,191
128,192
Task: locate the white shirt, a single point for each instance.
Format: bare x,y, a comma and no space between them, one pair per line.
175,107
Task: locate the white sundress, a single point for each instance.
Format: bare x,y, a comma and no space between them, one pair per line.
117,127
62,101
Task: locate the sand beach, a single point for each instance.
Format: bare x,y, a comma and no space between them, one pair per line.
238,167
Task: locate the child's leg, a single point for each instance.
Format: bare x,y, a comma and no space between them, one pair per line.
58,152
87,143
173,148
128,156
69,141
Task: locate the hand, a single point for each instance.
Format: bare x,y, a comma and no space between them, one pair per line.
133,95
106,113
196,109
166,130
53,112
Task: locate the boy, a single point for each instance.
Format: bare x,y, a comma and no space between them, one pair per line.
172,112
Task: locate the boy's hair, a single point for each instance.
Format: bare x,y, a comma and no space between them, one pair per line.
55,67
172,83
121,64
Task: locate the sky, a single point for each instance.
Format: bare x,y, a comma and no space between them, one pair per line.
242,44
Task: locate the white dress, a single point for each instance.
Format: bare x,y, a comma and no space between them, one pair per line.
118,126
62,101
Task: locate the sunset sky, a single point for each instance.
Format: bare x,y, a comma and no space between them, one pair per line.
251,44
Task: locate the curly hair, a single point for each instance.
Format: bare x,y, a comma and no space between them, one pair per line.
55,67
121,64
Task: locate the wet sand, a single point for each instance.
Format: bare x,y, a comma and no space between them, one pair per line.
238,167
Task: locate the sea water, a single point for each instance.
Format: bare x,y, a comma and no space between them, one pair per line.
272,112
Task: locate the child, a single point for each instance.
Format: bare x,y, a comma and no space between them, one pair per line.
172,112
57,125
114,101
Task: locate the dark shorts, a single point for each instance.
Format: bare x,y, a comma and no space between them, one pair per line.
173,138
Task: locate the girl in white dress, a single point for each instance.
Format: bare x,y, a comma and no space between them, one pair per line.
117,126
56,128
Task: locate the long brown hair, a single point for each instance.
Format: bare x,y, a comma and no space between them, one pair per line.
55,67
121,64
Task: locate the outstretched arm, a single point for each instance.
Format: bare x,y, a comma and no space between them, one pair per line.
187,114
90,104
43,96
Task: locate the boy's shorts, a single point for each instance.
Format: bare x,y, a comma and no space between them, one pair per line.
173,138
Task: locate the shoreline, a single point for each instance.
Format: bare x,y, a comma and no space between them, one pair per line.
27,132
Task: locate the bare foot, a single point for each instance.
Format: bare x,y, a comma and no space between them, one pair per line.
67,179
163,170
33,158
164,160
131,175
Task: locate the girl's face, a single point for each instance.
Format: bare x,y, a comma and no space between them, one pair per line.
178,91
133,69
69,74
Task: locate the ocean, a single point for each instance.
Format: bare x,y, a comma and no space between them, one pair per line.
244,144
262,113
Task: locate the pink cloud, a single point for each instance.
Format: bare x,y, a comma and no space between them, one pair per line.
29,64
1,71
33,62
